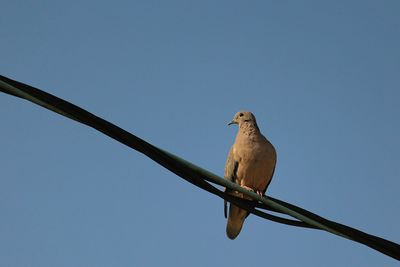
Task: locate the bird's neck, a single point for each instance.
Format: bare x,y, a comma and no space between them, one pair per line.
249,128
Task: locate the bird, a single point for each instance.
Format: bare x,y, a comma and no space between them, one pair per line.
250,163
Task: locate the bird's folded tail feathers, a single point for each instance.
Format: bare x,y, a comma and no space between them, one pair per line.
235,221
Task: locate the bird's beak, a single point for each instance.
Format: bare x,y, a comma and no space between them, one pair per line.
232,122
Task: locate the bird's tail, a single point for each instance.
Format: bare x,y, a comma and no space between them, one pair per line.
235,221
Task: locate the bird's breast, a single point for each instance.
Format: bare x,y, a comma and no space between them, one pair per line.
256,166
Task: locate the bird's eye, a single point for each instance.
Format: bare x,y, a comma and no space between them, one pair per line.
241,115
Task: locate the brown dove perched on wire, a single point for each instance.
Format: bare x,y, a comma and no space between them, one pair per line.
251,164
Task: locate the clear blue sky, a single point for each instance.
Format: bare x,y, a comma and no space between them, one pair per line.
322,77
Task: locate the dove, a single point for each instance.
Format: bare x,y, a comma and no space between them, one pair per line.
251,164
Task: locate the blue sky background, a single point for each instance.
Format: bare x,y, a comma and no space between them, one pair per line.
322,78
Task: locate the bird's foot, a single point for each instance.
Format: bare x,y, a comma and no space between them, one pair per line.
260,193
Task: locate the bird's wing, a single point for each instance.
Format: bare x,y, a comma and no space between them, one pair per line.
273,170
230,174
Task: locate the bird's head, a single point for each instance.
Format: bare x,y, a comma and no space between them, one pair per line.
243,117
